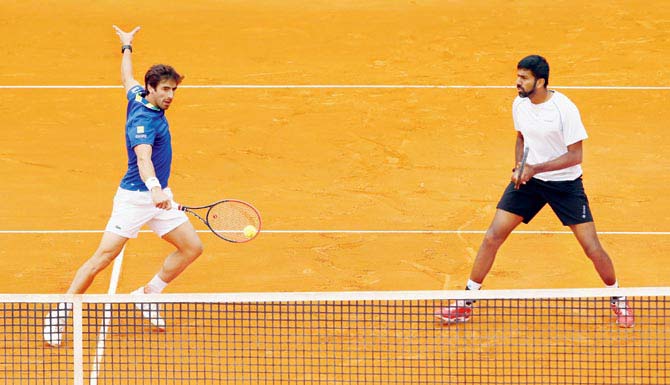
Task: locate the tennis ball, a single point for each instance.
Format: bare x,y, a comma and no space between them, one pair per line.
250,231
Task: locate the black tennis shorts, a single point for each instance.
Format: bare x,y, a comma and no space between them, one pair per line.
566,198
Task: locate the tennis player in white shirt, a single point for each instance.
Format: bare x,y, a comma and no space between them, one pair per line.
549,124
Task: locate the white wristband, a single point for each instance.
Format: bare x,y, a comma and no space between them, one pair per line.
152,182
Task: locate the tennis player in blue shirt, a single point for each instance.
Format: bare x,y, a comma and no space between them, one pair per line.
143,197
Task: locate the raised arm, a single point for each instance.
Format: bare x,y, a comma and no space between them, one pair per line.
126,62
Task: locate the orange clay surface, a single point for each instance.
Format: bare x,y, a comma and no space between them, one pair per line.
332,158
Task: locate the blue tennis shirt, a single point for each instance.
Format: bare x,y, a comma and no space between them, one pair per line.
146,124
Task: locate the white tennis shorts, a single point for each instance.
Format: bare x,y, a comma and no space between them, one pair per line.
134,209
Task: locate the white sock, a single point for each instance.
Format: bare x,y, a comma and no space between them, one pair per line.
614,285
156,285
472,285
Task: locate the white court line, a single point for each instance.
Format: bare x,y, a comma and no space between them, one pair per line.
341,86
381,232
107,318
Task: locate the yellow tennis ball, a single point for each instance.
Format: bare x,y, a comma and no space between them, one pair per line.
250,231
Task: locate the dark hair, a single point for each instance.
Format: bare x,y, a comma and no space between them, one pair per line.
158,73
537,65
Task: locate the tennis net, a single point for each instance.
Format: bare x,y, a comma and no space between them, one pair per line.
561,336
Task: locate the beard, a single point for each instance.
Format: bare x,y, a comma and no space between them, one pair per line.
525,94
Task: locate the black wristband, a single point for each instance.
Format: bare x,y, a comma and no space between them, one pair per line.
125,47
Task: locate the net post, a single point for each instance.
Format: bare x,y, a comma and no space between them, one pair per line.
77,338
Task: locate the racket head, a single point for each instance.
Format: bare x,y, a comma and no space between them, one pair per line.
521,167
228,219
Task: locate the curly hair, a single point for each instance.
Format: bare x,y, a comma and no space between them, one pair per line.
158,73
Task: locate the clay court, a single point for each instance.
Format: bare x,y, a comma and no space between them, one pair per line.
334,119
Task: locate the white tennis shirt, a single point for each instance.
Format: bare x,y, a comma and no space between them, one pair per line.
548,129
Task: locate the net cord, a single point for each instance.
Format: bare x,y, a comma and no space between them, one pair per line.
338,295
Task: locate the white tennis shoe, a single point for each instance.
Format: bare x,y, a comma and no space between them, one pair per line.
54,324
150,311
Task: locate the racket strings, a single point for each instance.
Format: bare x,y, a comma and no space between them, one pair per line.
228,219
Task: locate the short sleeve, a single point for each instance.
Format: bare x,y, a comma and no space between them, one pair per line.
140,131
573,128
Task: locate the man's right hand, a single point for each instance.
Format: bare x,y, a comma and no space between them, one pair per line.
126,37
161,199
515,175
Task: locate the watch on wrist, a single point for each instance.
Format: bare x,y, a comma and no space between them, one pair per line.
125,47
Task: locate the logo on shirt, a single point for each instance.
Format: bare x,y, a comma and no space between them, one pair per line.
140,133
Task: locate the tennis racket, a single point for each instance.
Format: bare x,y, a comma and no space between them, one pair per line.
229,219
519,171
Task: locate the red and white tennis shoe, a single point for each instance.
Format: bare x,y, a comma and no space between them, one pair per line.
623,312
457,312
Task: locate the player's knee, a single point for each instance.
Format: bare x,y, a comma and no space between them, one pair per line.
104,256
193,249
198,249
492,239
97,263
595,251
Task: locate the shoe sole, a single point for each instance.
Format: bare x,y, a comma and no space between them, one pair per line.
625,324
449,321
